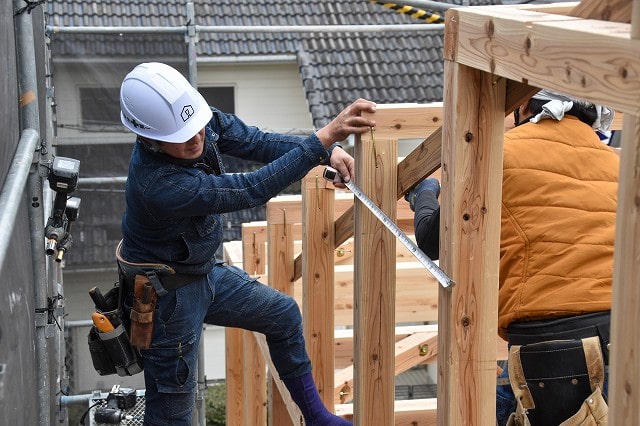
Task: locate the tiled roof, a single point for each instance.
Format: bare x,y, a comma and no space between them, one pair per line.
336,68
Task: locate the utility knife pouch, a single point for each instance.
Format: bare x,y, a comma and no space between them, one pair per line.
144,305
111,352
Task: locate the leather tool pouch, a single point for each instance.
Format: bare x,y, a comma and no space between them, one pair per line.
144,305
558,383
111,352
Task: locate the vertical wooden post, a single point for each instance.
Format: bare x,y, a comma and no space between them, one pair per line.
624,385
473,135
255,383
374,283
235,370
280,259
246,382
318,279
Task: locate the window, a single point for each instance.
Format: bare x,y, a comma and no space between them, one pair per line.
220,97
100,107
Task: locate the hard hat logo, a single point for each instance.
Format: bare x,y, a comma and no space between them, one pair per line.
187,112
136,124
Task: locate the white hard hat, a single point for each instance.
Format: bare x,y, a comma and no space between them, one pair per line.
157,102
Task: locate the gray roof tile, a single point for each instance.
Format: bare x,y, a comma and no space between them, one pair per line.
336,68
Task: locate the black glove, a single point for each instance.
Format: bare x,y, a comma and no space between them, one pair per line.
429,184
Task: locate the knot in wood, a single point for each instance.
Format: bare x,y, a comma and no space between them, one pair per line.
465,321
468,137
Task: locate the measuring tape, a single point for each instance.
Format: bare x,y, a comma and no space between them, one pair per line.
332,175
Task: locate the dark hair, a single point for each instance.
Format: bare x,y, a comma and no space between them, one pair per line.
583,111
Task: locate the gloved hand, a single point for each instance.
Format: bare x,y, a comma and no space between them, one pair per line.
429,184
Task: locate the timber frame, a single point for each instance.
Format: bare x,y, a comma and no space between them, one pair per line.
495,56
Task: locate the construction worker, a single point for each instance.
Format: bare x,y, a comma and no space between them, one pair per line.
176,191
559,194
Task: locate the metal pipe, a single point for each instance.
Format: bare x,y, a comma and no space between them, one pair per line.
77,324
13,187
54,29
30,119
318,28
427,4
247,29
191,38
192,56
102,180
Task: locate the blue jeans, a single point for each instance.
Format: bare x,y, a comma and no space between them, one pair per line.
227,296
506,400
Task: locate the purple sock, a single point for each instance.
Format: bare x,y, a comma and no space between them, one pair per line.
304,393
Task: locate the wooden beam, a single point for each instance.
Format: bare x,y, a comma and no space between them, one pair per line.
318,279
413,412
624,386
374,281
597,61
406,353
280,416
469,246
607,10
282,410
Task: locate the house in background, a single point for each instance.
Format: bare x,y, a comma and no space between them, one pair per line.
291,82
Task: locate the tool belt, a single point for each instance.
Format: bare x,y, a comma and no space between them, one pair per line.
147,282
163,277
558,383
566,328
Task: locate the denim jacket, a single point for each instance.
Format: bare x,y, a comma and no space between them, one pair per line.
173,208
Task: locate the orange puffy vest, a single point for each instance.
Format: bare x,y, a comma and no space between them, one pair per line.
559,199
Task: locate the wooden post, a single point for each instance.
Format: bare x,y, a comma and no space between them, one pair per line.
318,279
469,248
624,385
255,383
374,283
282,411
246,381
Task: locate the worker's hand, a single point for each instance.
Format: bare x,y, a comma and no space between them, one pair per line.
348,122
429,184
344,164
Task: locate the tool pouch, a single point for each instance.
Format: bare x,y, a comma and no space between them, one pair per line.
558,383
111,352
141,316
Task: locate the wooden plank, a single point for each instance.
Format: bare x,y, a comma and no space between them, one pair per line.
624,386
406,352
234,374
594,60
374,278
344,344
415,412
282,411
255,380
609,10
407,121
318,280
234,356
287,412
423,161
469,247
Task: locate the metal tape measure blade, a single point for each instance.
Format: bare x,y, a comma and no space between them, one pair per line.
331,174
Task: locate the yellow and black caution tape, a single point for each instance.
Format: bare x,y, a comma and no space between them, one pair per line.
429,18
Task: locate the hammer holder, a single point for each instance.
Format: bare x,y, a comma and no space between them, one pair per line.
144,305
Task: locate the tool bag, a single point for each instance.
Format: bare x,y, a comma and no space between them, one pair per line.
109,346
558,382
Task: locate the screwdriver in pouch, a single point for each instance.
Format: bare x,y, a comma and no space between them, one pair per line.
101,322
